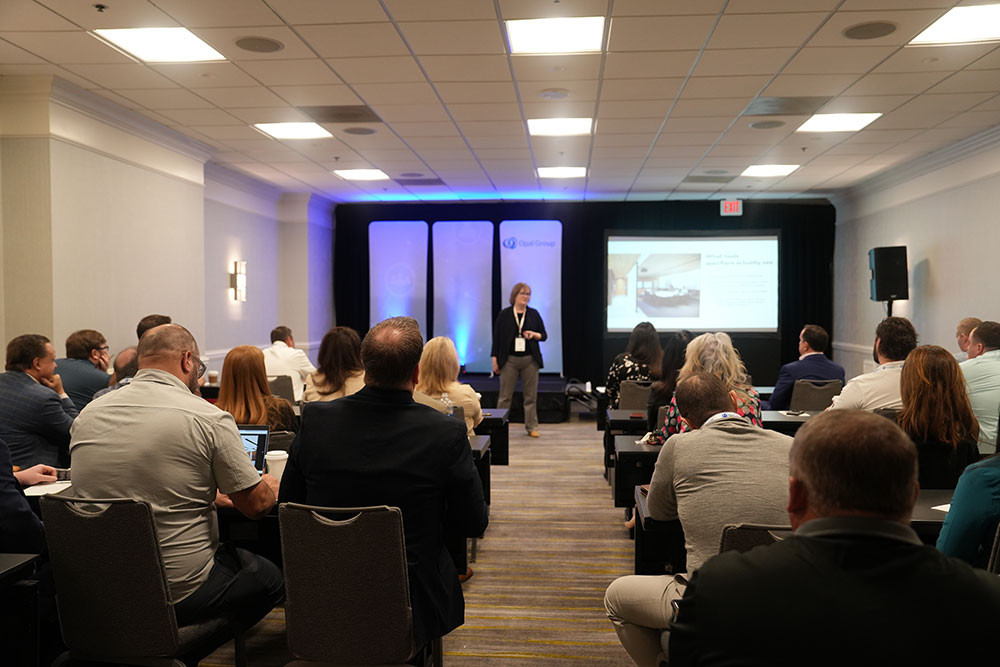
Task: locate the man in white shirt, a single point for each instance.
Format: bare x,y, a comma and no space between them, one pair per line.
895,338
982,378
962,331
283,359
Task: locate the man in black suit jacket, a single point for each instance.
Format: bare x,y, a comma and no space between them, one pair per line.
379,447
35,412
853,585
812,365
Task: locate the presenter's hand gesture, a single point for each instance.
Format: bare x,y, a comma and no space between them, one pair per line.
531,335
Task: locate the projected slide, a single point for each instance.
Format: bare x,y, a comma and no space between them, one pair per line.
698,283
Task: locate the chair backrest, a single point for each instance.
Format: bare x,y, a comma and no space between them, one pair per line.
633,395
281,386
113,595
661,415
279,441
746,536
814,395
346,584
458,412
994,564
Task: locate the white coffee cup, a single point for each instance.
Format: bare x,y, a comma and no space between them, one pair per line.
275,463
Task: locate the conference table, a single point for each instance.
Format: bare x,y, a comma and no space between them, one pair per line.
634,463
496,424
660,543
782,422
620,422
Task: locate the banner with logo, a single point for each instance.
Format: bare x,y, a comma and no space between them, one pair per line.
397,270
463,288
531,252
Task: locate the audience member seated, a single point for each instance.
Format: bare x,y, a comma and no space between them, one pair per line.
970,526
20,529
723,471
982,375
378,447
340,371
156,441
962,331
640,362
937,416
853,584
245,394
84,371
283,359
126,365
811,365
35,413
439,375
713,353
662,390
150,322
895,338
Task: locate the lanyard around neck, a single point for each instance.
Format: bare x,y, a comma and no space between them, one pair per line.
520,322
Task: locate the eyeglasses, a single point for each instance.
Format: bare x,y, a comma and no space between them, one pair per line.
201,364
103,348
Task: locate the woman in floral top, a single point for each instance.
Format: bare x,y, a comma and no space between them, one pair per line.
713,353
640,362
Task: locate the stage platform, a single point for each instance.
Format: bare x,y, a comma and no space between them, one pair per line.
553,405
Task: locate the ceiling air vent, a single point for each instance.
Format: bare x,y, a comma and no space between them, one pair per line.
871,30
259,44
785,106
346,113
407,182
708,179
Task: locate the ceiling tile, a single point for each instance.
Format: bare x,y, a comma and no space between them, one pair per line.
701,124
532,9
411,112
224,41
729,151
628,125
122,76
764,30
119,14
644,139
474,128
218,14
302,72
385,69
733,106
201,117
465,112
909,24
933,59
883,84
775,6
976,119
478,142
205,75
466,68
266,115
450,142
453,37
630,109
557,68
441,10
306,12
477,92
354,40
227,132
809,85
31,16
989,105
124,102
970,81
306,96
396,93
407,129
723,62
558,109
673,8
915,119
244,96
674,138
651,33
724,86
955,102
575,91
865,103
641,89
66,47
837,59
10,54
175,98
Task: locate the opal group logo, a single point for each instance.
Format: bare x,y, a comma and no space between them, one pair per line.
510,243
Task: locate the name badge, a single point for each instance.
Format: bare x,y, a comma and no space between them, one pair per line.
519,344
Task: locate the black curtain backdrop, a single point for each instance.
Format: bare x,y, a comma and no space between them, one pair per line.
805,266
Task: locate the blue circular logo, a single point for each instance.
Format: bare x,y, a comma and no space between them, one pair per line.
510,243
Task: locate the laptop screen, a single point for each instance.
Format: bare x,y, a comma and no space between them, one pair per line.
254,437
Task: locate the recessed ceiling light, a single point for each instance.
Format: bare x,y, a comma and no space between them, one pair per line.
961,25
559,35
766,124
293,130
837,122
559,127
362,174
555,94
769,170
361,131
161,45
562,172
869,30
256,44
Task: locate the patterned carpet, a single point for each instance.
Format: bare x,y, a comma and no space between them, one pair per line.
554,543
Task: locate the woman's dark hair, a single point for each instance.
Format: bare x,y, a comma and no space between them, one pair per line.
644,347
339,357
673,359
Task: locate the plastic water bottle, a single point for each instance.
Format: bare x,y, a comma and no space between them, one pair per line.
449,405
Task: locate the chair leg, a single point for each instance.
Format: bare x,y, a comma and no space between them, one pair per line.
240,648
473,549
437,654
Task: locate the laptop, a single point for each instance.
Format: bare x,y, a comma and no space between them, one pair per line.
254,437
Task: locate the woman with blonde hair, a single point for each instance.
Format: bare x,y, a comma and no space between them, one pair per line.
713,353
340,371
937,415
439,375
245,394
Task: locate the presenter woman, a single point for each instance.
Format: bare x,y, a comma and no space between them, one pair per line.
516,354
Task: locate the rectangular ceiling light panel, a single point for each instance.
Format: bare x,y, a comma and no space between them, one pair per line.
559,127
293,130
362,174
837,122
562,172
963,25
161,45
582,34
769,170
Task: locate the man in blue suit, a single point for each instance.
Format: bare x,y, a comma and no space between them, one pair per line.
35,412
812,365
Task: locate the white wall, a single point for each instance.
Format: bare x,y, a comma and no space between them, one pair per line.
946,218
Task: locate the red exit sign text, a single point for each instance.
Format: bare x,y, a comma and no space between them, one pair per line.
731,207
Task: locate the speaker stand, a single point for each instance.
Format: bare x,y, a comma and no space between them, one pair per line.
889,304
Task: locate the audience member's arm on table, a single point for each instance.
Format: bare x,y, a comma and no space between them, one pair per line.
467,512
20,529
234,472
257,500
970,525
662,501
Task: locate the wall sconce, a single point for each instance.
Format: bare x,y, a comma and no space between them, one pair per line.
238,281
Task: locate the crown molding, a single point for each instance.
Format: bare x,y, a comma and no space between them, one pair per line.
240,181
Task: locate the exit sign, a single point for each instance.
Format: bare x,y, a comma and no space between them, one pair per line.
731,207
